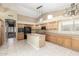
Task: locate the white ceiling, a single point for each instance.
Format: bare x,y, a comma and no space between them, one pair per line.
29,9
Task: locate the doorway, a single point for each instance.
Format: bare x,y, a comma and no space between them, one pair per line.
10,30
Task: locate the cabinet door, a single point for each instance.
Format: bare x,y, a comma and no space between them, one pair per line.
20,25
1,32
0,39
75,44
52,25
60,40
51,38
48,37
20,36
55,25
49,26
67,42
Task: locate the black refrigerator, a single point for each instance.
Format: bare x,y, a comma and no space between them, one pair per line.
26,31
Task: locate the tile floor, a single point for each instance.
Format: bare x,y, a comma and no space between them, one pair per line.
21,48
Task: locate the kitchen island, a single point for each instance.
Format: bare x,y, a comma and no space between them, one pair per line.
36,40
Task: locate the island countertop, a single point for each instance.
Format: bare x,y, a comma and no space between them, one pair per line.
36,40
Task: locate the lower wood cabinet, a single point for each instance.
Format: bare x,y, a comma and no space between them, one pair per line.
60,40
75,44
20,36
54,39
67,42
51,38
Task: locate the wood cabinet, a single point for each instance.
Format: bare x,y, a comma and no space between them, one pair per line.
20,33
75,43
60,40
20,25
51,38
37,27
1,32
20,36
67,42
52,25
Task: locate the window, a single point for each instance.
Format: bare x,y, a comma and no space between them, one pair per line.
41,19
67,25
76,25
50,16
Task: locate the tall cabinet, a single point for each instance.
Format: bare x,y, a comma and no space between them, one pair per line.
1,32
20,33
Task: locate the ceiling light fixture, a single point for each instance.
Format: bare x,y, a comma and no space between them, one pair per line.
72,10
40,12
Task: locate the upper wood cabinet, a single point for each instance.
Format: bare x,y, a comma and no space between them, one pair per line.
20,25
36,27
49,26
52,25
33,26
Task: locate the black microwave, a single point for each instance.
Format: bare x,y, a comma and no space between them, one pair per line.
43,28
